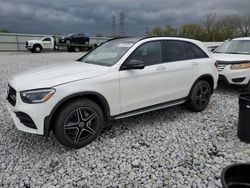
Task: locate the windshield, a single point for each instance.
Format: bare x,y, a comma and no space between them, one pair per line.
109,53
234,47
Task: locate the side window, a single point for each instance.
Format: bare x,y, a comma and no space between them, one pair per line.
47,39
150,53
175,51
198,53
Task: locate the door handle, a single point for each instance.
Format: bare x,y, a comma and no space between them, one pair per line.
160,68
194,63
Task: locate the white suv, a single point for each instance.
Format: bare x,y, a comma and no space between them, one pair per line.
233,58
120,78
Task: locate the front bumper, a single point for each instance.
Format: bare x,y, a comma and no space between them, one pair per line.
235,77
37,114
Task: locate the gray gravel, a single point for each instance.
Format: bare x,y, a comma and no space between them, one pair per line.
166,148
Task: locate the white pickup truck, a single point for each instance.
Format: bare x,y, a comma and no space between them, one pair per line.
47,43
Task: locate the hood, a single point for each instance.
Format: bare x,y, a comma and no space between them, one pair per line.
230,57
56,74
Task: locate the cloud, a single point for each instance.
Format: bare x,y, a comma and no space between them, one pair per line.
94,16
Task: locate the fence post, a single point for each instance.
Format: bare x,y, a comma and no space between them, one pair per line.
17,40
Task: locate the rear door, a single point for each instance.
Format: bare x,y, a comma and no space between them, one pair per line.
148,86
183,67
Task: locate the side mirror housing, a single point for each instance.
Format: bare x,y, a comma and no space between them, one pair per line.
134,64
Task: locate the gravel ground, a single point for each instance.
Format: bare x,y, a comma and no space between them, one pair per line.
166,148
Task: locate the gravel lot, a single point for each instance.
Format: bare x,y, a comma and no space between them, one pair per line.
166,148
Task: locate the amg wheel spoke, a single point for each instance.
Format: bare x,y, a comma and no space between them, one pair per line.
90,118
205,91
71,125
89,130
79,114
78,135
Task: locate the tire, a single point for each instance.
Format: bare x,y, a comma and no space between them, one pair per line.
37,48
77,49
70,49
67,41
199,96
78,123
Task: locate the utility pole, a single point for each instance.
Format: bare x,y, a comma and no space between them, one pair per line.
113,33
121,28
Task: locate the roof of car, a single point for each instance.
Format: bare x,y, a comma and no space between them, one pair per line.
136,39
242,38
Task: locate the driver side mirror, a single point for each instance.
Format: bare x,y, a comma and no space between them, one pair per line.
134,64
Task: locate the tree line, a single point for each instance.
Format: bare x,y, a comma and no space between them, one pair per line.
211,28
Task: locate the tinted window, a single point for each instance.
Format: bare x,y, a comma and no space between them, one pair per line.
47,39
176,51
197,52
150,53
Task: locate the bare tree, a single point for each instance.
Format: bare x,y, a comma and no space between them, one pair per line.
209,23
244,26
228,26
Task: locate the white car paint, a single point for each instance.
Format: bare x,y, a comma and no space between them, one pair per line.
42,42
124,91
225,69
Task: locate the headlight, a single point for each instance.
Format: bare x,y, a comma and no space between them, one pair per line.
240,66
37,96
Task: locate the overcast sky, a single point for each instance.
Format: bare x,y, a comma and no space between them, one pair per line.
94,16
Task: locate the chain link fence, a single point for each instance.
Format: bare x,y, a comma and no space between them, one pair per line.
16,41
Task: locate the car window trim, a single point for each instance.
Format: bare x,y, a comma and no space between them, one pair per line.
185,43
162,51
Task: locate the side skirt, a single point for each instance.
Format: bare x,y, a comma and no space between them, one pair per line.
149,109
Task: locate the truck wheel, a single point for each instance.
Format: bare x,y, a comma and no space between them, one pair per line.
37,48
199,96
77,49
70,49
67,41
78,123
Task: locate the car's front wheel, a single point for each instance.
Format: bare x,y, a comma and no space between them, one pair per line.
199,96
78,123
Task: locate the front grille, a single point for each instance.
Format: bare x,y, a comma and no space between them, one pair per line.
26,43
26,120
11,95
221,67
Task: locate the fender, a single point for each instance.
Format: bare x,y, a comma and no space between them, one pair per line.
101,99
206,76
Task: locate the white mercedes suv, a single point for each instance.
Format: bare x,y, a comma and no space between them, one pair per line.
233,58
122,77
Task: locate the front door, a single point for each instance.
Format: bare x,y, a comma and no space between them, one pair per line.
144,87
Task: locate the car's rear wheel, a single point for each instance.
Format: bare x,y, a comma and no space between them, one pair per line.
78,123
67,41
199,96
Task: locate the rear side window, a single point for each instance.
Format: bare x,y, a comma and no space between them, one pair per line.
175,50
195,52
181,50
150,53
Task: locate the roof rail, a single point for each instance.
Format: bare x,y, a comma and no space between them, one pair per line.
177,36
